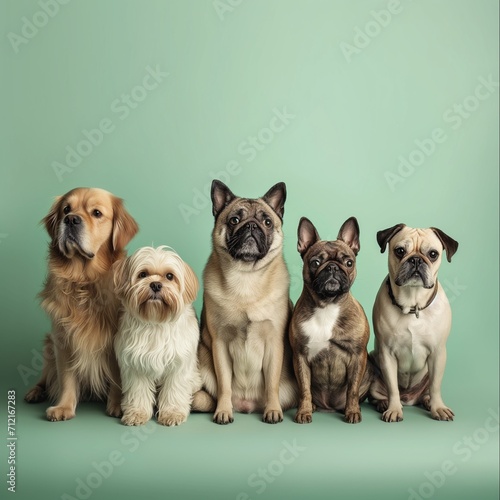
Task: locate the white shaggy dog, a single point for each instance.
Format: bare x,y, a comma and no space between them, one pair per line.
157,336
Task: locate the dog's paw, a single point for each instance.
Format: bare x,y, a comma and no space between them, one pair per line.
393,415
223,417
36,395
353,417
442,413
135,417
272,416
381,405
114,409
426,403
171,418
303,417
60,413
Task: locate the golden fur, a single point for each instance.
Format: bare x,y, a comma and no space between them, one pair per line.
89,229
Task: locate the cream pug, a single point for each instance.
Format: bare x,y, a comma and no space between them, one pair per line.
412,321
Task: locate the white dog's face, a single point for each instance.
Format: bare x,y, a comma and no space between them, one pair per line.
155,284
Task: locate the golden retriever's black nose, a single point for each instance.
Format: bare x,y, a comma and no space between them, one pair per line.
155,286
72,220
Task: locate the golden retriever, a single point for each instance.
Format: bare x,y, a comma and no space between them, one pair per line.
89,229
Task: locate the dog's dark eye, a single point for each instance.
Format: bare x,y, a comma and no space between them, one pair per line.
234,220
142,274
268,222
400,252
433,255
170,276
349,263
315,263
67,210
97,213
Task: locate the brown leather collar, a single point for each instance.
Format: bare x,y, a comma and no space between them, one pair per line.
415,309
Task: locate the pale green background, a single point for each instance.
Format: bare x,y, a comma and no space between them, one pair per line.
352,120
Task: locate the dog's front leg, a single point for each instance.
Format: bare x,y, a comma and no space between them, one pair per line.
303,375
272,366
67,387
355,373
113,406
436,363
224,372
138,397
174,399
389,368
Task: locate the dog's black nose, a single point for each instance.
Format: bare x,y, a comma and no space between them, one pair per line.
416,261
332,267
252,226
72,220
155,286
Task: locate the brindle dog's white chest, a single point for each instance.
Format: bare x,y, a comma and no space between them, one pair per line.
319,328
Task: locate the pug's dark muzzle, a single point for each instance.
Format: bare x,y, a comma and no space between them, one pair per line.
331,281
248,243
415,269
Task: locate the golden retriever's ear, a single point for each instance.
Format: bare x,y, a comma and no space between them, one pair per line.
191,285
124,225
51,220
120,273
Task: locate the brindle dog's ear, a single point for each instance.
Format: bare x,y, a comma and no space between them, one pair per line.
384,236
307,236
449,244
221,197
349,234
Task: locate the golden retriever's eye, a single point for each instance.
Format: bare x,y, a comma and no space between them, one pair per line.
142,274
97,213
66,210
170,276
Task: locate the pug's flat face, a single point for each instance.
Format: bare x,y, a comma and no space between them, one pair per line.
249,230
414,257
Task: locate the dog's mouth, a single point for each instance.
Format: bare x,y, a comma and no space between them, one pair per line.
417,277
70,243
248,245
330,285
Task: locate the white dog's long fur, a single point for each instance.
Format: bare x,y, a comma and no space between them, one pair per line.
157,354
